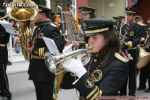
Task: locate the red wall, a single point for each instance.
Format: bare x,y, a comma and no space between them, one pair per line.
143,8
81,3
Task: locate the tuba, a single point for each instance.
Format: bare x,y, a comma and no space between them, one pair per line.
23,11
54,63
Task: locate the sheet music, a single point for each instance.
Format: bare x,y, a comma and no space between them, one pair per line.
8,26
51,46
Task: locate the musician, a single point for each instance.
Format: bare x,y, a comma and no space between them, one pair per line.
146,70
122,18
86,12
148,26
107,70
118,25
143,71
4,39
134,35
42,78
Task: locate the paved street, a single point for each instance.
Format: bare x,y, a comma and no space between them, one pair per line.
22,89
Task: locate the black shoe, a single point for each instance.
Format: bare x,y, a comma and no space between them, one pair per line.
147,90
6,98
9,63
122,94
141,88
131,94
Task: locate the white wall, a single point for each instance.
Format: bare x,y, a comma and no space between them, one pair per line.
108,8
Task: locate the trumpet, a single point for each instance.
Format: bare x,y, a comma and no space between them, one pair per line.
54,63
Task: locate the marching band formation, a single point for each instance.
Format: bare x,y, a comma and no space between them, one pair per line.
113,51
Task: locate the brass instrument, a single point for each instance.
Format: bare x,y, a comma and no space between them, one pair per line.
143,59
23,11
53,62
73,29
25,36
144,56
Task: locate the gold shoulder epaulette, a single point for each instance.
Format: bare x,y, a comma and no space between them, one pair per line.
117,55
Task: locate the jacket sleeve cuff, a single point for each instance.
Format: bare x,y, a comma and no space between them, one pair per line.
87,88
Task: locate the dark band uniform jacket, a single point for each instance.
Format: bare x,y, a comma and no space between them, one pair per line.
36,72
134,33
4,39
101,80
134,36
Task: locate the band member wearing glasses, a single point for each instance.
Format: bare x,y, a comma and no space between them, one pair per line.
107,69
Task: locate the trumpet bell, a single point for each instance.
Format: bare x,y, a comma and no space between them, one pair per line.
143,59
54,63
50,62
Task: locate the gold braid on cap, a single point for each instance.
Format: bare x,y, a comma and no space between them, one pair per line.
96,31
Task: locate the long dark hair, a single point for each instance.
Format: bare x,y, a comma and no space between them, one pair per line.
106,55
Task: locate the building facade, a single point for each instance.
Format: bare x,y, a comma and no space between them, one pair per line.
143,7
108,8
112,8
